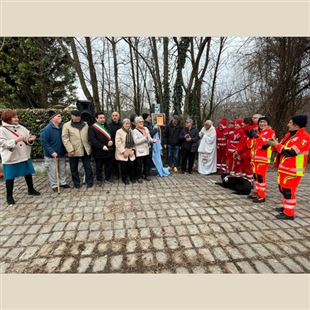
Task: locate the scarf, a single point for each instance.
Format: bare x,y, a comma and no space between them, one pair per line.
102,130
129,143
79,125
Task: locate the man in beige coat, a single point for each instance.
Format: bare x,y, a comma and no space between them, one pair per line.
75,140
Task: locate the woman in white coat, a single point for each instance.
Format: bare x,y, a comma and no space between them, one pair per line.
142,138
207,149
15,149
125,151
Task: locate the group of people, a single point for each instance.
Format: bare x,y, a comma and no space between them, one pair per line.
243,149
123,146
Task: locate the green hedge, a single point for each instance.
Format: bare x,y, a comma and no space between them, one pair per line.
34,120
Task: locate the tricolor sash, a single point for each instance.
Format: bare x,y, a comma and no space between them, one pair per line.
103,130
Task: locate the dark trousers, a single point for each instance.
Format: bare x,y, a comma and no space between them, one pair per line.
10,185
107,162
187,158
143,169
127,169
74,164
115,167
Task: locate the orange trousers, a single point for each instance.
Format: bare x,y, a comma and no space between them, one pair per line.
288,185
259,175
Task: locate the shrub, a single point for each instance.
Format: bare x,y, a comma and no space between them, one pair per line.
34,120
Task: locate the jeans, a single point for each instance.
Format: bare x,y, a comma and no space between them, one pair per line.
173,155
74,164
50,165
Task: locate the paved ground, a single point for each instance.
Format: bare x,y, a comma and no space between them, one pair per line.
179,224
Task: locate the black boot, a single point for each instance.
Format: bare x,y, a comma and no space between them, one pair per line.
31,190
9,191
281,209
282,216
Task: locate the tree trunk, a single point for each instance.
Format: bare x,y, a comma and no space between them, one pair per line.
157,72
194,74
218,59
182,48
117,105
166,86
79,71
93,75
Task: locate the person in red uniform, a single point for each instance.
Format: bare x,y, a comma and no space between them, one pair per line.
255,119
291,162
261,158
221,143
229,146
238,134
243,149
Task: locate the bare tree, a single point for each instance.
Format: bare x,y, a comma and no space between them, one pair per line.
282,66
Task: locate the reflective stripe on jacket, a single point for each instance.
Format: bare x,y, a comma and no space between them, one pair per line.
300,143
261,152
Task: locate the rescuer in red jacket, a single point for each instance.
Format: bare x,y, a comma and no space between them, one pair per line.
243,149
291,162
230,148
221,144
238,136
261,157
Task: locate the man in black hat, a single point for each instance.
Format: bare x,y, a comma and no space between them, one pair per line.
291,162
75,140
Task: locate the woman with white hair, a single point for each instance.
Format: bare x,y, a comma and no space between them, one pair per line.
207,149
142,139
125,151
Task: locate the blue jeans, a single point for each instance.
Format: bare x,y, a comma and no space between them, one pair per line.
173,155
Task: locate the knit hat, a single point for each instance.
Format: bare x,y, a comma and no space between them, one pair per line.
145,115
300,120
76,113
52,114
264,118
239,121
223,122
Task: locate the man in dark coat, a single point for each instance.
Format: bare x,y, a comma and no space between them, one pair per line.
102,145
172,143
189,137
113,127
148,124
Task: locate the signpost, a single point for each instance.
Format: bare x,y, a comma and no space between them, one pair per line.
156,108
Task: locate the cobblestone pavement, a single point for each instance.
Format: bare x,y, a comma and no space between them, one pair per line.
178,224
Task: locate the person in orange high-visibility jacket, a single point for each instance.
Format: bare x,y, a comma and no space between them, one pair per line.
221,144
291,161
261,158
